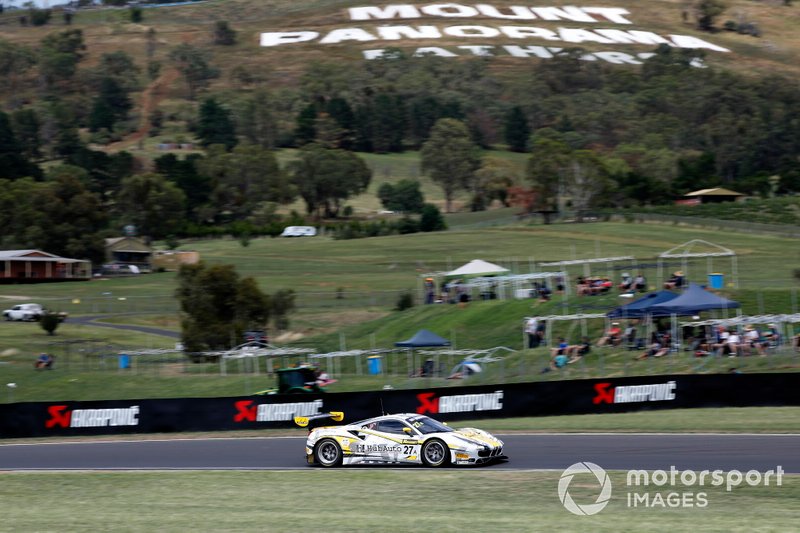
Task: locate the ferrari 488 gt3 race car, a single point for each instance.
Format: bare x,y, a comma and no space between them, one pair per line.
397,439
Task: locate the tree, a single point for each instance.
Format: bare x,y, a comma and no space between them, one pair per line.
135,14
15,61
26,127
431,219
706,13
282,303
224,34
243,179
152,204
215,126
517,130
256,121
326,177
39,17
120,67
494,178
59,56
305,131
110,106
193,64
218,306
13,163
450,158
405,196
67,218
585,179
185,174
549,157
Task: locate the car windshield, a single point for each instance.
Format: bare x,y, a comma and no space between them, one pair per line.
426,425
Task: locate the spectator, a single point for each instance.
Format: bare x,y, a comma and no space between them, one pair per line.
556,362
544,293
613,336
734,344
675,281
532,331
626,283
576,351
753,341
44,361
656,349
720,345
430,290
630,335
640,283
561,349
772,335
583,286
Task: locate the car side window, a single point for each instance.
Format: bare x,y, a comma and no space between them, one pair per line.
391,426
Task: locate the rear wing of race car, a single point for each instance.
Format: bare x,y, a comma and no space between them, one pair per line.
303,421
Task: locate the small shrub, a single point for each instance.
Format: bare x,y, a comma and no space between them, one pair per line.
49,322
405,301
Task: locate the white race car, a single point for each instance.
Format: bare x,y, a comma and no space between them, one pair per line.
397,439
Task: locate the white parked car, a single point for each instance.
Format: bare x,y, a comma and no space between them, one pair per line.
24,312
299,231
398,439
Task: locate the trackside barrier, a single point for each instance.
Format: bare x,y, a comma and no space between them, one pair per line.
611,395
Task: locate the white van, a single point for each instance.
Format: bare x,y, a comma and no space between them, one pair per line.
299,231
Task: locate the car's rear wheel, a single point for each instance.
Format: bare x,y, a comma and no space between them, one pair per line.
328,453
435,453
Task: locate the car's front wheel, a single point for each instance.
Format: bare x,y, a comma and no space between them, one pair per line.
328,453
435,453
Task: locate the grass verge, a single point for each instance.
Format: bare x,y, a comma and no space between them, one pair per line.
374,500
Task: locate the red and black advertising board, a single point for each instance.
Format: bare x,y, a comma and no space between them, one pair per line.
450,403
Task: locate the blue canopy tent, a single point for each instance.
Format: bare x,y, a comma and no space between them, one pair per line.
692,301
421,339
644,306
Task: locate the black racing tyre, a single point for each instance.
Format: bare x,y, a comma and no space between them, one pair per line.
328,453
435,453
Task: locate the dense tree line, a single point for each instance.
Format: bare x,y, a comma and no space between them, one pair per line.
597,134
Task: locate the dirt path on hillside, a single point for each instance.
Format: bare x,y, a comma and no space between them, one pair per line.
151,97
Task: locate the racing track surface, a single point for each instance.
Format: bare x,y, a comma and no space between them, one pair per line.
533,451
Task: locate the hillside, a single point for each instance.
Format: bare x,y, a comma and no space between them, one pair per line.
773,51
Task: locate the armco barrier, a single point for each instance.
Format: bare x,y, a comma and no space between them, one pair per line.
453,403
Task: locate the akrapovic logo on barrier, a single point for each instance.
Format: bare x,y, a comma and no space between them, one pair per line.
656,392
460,403
248,411
60,416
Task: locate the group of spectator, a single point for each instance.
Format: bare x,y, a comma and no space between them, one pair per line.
564,353
632,284
453,292
733,342
594,285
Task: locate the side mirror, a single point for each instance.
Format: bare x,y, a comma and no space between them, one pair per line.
407,431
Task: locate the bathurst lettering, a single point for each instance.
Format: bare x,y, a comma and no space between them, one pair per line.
60,416
656,392
248,411
461,403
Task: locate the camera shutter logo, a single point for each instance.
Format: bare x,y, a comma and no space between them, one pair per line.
588,509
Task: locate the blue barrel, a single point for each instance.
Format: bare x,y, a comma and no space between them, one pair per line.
124,360
716,281
374,364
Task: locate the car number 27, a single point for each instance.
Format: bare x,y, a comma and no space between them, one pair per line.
408,450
